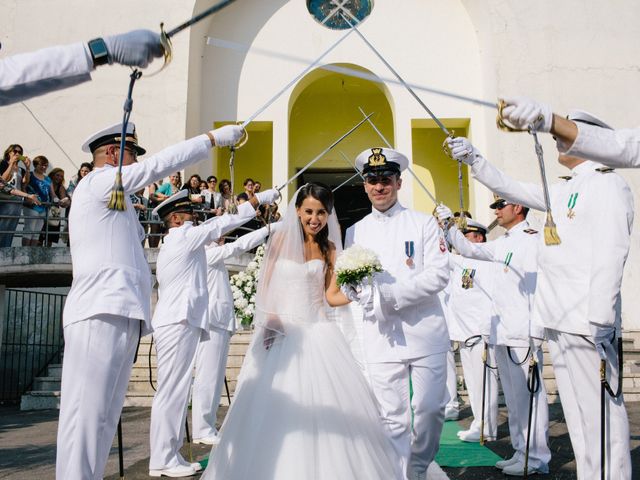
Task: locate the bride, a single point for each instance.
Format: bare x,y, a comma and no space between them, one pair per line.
302,409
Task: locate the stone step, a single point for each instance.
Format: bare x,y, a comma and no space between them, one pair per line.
40,400
54,370
47,383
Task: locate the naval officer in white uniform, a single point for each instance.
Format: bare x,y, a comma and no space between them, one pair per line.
28,75
404,330
211,354
109,303
469,316
181,318
513,333
578,292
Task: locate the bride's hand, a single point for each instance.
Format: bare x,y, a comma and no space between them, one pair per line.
272,329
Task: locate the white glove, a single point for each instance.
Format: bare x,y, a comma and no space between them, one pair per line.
227,136
462,150
350,292
134,49
522,112
601,333
443,213
268,196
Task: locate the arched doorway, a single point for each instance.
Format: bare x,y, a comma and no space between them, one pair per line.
323,106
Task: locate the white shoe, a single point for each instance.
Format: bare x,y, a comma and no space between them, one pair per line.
195,465
450,414
509,461
469,436
517,469
174,472
211,440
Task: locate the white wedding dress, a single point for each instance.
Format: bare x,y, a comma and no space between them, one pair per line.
303,409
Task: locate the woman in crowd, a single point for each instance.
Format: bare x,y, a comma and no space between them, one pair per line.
213,198
34,215
193,187
14,172
83,171
226,193
62,202
248,185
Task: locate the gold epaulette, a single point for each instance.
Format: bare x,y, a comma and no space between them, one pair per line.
566,177
530,231
605,169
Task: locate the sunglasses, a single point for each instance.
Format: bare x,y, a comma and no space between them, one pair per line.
382,180
502,205
19,152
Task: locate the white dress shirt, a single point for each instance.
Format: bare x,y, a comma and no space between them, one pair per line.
221,298
413,325
110,272
28,75
514,259
470,309
578,280
614,148
181,269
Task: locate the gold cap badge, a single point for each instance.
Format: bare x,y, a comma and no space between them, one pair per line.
377,159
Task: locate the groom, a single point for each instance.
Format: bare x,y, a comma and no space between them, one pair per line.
405,338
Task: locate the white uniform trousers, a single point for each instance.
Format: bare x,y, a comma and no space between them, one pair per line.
516,396
390,382
576,366
473,370
452,403
175,348
211,362
98,357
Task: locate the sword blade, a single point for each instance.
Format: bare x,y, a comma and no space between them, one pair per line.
209,11
325,151
230,45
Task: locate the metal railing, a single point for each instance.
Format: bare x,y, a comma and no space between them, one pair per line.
32,338
153,228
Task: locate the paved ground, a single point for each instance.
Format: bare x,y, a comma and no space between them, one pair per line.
27,446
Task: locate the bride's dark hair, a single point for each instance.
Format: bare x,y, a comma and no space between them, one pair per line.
323,194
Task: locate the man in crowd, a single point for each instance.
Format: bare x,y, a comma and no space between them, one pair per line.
109,304
404,330
578,292
512,332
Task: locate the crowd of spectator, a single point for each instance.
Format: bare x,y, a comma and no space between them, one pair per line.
42,198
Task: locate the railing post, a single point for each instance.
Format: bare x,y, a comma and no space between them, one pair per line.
3,310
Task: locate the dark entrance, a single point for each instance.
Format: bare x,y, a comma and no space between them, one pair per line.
351,201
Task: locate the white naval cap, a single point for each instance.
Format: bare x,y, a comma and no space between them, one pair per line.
379,161
180,202
588,118
111,136
473,226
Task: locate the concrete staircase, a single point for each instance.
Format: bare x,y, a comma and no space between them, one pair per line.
46,390
140,392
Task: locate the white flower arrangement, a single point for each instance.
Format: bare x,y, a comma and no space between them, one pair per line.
243,287
356,263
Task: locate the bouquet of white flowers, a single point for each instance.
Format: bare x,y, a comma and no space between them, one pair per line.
243,287
356,263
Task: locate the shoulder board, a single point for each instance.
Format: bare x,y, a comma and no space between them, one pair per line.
566,177
530,231
605,169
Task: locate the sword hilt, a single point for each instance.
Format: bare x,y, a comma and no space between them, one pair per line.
504,125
